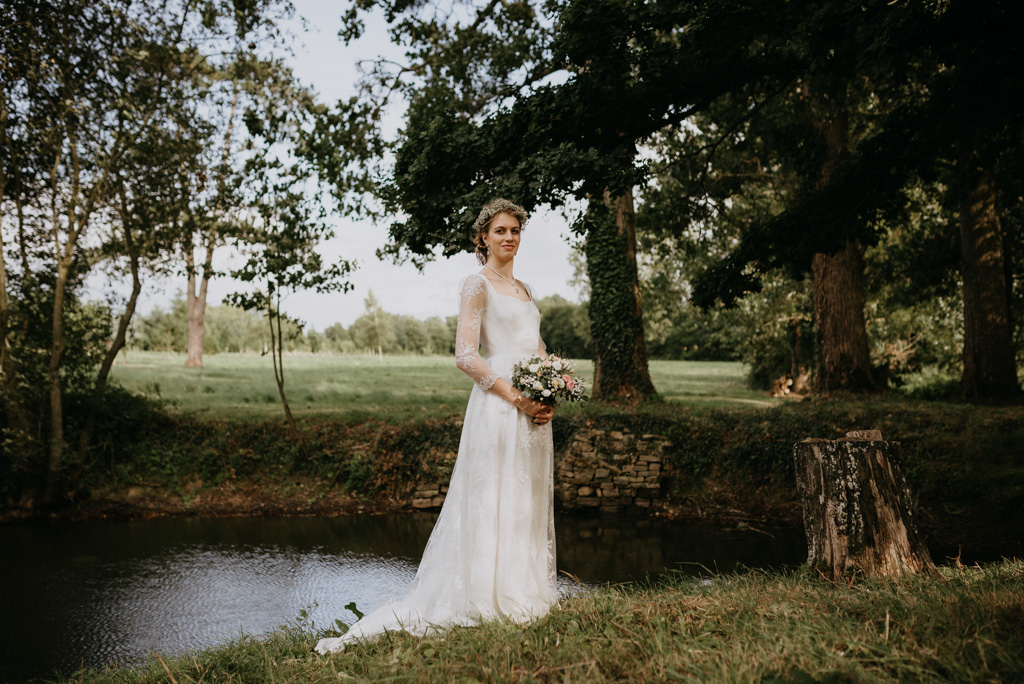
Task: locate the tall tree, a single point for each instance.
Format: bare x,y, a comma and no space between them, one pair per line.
100,133
98,80
465,65
234,75
287,217
143,229
780,93
975,56
940,122
374,331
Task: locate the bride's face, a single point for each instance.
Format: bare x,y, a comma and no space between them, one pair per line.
502,238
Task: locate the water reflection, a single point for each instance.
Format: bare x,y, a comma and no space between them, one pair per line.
104,593
613,549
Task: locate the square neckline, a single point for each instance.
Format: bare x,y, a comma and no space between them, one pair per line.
524,301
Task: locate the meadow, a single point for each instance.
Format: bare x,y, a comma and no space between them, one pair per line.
242,387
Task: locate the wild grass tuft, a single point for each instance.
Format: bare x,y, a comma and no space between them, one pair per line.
742,627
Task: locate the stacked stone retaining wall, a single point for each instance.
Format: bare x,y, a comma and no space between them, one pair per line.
611,470
606,470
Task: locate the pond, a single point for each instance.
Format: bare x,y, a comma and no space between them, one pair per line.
113,592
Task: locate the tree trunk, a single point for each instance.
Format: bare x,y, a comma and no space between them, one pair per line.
844,362
990,365
277,355
616,318
85,436
843,359
56,464
195,302
4,305
857,508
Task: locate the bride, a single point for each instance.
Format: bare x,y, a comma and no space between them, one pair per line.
492,551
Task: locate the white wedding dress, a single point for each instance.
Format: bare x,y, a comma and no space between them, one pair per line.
492,551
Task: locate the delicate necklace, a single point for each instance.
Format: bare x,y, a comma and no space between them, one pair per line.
510,282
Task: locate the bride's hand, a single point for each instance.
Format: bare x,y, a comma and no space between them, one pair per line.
545,415
541,413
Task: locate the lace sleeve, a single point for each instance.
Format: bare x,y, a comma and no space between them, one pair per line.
472,303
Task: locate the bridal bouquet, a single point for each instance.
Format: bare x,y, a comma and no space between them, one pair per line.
549,380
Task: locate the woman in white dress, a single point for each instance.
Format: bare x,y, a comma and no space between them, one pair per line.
491,554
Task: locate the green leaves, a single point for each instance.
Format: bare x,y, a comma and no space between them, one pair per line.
352,606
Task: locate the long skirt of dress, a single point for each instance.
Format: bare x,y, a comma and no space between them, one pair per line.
491,554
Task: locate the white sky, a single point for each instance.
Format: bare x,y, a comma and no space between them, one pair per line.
330,67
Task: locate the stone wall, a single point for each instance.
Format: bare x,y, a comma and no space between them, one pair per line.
430,494
606,470
611,470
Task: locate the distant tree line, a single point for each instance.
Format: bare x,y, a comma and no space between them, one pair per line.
564,327
230,329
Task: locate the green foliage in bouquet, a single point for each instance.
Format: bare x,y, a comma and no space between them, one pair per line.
550,380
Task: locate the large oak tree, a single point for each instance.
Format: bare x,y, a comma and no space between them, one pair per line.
465,66
938,72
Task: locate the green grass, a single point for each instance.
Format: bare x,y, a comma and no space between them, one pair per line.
752,627
241,386
704,383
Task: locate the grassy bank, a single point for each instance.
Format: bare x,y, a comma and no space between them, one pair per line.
371,431
737,628
965,464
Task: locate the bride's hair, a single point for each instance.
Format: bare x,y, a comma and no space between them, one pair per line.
483,222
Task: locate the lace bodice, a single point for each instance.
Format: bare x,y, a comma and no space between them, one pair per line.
500,324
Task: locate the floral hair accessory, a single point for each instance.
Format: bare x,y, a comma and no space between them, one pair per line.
497,206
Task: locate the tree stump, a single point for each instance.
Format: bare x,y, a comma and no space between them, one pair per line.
857,508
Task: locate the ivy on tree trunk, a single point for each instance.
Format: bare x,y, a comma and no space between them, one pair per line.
616,319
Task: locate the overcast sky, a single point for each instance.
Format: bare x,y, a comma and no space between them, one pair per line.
330,67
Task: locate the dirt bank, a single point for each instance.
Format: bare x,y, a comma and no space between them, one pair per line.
949,534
